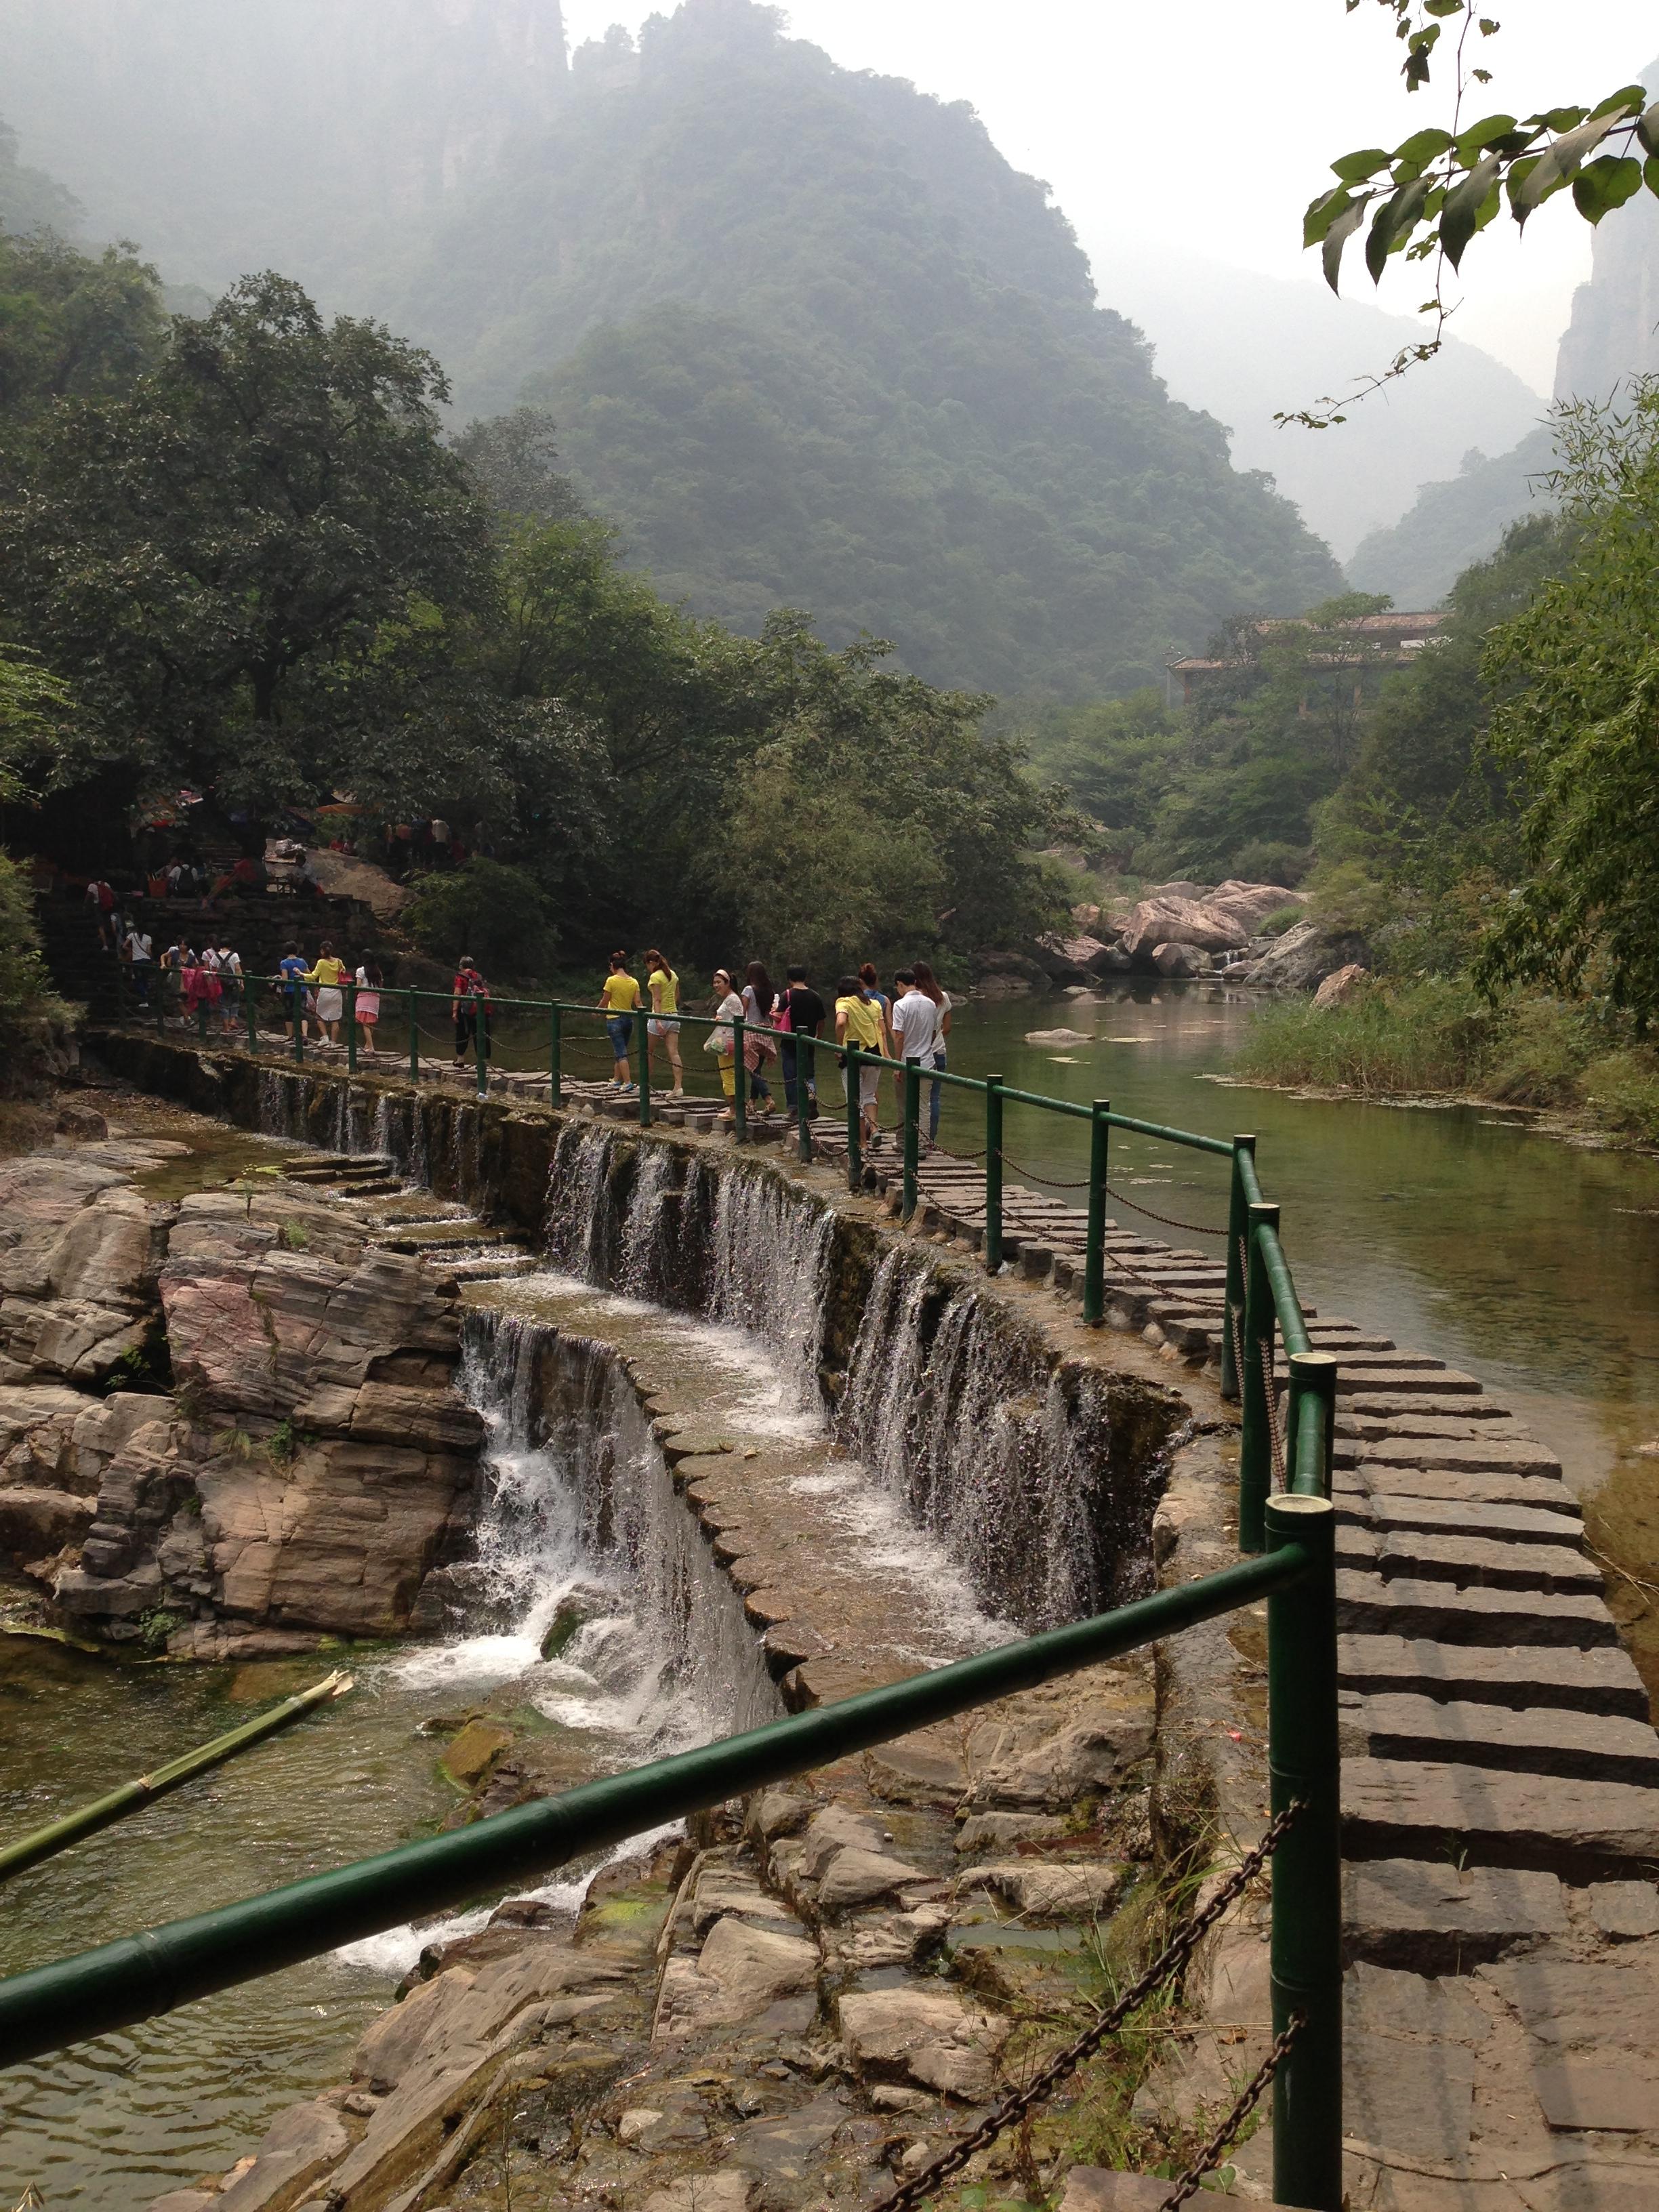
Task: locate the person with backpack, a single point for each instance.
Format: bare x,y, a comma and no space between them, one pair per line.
470,1007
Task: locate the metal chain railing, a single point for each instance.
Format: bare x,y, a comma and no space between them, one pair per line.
1168,1220
1169,1962
1221,2141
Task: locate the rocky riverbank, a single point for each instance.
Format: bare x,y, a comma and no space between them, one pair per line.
228,1423
1252,934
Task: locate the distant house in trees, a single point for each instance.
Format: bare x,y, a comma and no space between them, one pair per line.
1370,645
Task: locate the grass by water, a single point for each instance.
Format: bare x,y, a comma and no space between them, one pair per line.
1437,1036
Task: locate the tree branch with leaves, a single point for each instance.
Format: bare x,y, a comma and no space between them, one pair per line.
1433,196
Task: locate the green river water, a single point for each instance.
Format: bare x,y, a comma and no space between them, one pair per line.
1529,1261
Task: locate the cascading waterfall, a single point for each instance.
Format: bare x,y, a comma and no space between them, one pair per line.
956,1416
580,1221
641,1273
769,1262
582,1539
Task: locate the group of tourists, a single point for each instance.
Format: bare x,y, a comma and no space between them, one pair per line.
210,977
315,992
909,1022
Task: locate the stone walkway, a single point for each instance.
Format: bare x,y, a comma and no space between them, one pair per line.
1501,1775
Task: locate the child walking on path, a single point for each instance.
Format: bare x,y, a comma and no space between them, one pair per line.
859,1022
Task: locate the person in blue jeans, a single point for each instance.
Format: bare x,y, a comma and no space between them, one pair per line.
621,997
293,968
929,984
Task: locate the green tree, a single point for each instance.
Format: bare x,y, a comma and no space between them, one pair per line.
1579,726
496,914
29,199
72,326
1118,759
223,559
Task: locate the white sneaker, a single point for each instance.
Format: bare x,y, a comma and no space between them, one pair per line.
676,1092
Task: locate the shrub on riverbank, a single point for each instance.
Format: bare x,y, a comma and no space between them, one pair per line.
1437,1037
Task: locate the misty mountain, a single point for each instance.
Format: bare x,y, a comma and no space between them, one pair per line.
808,337
312,136
29,199
1451,524
1244,347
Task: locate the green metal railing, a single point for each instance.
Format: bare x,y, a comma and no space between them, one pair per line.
1285,1530
118,1983
1261,1306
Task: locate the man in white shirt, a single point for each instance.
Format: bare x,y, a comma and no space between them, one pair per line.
914,1022
140,952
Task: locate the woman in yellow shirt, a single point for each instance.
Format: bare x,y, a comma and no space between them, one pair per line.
328,975
620,997
859,1021
663,985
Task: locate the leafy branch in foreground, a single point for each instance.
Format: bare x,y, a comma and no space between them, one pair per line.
1435,192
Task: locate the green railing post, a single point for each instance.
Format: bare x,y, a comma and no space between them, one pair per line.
555,1058
643,1018
1304,1767
806,1069
414,1039
481,1047
1237,1226
299,990
993,1173
739,1081
1255,1451
349,994
854,1153
1313,1374
1094,1258
251,1010
201,1020
158,977
912,1090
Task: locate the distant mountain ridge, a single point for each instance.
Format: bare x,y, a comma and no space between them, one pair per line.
1247,347
809,337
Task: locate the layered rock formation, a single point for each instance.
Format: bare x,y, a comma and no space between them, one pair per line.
1180,930
226,1422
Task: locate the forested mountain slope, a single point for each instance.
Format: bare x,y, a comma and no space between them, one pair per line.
809,337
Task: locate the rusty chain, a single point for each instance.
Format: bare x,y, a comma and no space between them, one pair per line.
1169,1963
1213,2151
1168,1220
1269,1380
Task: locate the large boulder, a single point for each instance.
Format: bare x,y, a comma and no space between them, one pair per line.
1180,961
1250,904
1303,958
1170,920
1342,985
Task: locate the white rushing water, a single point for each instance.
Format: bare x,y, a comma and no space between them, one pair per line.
582,1551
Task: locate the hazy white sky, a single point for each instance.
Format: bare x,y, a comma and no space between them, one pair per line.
1211,122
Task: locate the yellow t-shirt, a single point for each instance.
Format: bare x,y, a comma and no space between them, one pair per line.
620,993
663,981
863,1023
329,971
